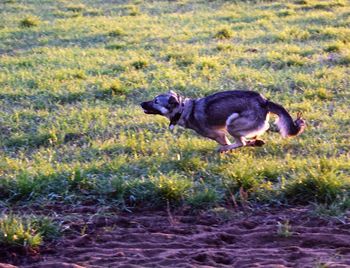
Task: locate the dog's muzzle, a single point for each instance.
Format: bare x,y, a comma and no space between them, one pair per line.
148,108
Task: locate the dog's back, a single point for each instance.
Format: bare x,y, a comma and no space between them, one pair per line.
218,107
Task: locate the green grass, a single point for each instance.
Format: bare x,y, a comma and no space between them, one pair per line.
26,232
74,72
16,233
30,21
284,229
224,34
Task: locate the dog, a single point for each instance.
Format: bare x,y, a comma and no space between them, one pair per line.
242,114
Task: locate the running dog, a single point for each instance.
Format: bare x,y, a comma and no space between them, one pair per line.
242,114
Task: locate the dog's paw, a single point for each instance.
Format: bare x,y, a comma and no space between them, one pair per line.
222,149
255,143
259,143
225,149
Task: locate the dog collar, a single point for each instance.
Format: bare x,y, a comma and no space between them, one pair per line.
175,118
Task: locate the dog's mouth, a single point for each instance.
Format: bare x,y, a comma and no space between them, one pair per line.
150,112
148,109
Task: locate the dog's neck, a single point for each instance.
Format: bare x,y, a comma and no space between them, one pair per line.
174,119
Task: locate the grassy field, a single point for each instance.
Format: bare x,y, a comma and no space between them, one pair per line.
72,75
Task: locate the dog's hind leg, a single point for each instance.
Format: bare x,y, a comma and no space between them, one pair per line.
238,127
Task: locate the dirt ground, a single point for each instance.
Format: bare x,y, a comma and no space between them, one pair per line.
160,239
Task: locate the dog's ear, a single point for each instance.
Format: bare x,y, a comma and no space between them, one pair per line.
173,100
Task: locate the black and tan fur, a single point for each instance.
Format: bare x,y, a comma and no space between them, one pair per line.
242,114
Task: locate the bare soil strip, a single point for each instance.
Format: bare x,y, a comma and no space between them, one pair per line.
153,239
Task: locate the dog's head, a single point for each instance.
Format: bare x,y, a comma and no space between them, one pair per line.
165,104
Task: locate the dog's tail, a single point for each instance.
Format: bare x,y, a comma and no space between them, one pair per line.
285,123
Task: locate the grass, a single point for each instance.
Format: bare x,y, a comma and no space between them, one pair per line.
30,21
334,209
224,34
139,64
284,229
71,81
25,232
116,32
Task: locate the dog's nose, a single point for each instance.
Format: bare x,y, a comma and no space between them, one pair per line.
142,104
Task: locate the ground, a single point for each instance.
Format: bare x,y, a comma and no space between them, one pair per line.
72,133
210,239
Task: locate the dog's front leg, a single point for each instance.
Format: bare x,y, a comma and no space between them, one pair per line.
223,140
240,141
219,137
224,143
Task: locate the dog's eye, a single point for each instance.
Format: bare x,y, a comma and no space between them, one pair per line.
156,101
